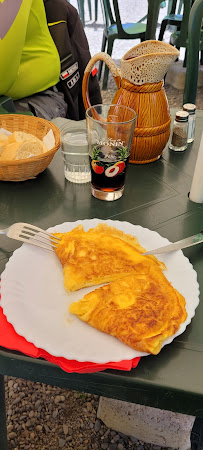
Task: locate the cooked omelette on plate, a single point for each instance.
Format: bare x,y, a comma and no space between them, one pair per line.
139,306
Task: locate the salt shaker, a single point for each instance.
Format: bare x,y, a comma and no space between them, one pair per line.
190,108
180,132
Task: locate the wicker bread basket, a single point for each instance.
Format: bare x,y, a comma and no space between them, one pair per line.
25,169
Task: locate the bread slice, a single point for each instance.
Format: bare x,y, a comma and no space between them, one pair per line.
3,137
9,152
44,147
20,136
28,149
21,150
3,142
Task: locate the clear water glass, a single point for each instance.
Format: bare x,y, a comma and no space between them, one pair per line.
76,157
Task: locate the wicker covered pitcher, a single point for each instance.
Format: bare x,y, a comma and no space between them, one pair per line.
141,87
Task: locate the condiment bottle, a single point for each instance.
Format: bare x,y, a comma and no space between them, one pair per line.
190,108
180,132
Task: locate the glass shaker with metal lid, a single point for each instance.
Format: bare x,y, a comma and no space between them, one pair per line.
190,108
180,132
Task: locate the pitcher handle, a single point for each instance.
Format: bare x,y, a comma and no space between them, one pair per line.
101,56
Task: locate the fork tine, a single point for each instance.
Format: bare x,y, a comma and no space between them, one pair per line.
34,228
36,238
36,243
31,234
40,245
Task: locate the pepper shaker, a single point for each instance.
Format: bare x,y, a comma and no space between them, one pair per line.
190,108
180,132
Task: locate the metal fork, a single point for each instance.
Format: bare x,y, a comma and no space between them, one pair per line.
31,235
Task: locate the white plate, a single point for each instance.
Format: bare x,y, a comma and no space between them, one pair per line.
35,302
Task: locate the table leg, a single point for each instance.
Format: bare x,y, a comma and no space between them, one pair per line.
3,427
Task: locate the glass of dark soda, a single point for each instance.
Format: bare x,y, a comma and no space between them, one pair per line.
110,131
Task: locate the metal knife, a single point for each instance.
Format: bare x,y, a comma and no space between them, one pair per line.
188,242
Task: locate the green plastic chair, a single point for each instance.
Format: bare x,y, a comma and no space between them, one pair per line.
172,18
96,9
81,9
179,37
115,29
194,45
170,2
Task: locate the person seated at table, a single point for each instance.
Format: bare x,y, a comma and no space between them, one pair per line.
43,72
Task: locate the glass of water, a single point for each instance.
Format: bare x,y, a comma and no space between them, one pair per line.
76,157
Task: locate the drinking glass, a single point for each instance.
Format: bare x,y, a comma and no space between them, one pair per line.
110,131
76,157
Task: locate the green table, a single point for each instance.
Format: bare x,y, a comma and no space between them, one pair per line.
156,197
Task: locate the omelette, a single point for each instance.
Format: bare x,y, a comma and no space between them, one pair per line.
141,310
100,255
139,306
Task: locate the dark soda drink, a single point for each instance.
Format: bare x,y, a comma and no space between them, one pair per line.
108,168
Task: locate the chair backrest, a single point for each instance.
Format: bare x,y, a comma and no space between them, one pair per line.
112,15
107,13
194,36
180,6
176,6
187,4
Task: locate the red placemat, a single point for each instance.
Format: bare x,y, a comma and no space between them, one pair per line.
13,341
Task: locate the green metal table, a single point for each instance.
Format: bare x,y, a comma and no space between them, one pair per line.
156,197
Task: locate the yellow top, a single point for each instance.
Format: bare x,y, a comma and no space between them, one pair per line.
29,60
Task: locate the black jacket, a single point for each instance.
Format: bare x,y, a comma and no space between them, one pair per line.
68,34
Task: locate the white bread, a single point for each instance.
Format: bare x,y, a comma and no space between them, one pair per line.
20,145
10,151
28,149
21,150
20,136
3,137
44,147
3,142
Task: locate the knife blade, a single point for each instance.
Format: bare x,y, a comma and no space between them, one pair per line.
188,242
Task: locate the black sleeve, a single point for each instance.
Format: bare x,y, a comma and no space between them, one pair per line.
68,34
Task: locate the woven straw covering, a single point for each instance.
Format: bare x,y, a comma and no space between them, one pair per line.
25,169
148,62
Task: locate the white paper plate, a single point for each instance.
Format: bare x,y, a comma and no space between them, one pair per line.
35,302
